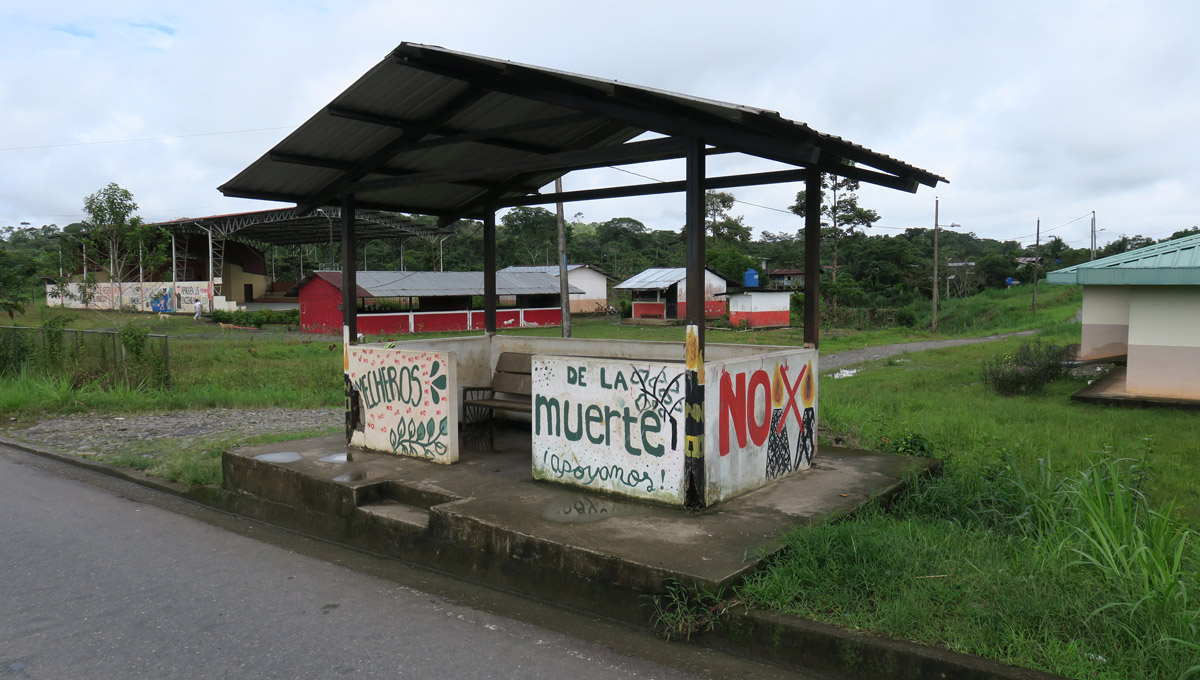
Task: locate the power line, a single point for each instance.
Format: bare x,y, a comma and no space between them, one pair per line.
736,200
145,139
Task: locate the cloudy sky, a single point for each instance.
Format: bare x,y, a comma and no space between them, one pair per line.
1033,110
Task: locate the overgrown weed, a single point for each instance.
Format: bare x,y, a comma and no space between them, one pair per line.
1073,572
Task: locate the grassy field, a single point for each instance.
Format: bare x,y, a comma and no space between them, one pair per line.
212,367
1060,537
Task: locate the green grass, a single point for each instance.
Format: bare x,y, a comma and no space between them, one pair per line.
937,395
1061,536
1070,572
194,462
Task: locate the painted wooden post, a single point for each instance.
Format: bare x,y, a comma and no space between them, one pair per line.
693,404
349,308
489,271
812,257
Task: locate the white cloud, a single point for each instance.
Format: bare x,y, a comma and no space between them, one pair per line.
1031,109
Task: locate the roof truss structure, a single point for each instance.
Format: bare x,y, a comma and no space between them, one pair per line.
289,227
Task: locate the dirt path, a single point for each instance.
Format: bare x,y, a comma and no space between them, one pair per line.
831,362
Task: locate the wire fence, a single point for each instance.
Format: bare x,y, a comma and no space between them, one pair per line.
106,357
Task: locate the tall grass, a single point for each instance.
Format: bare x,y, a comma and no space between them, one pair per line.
938,396
1068,572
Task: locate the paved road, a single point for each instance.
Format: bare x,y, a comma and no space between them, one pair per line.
100,578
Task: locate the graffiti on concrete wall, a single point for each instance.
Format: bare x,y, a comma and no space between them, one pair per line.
404,404
609,425
151,296
763,421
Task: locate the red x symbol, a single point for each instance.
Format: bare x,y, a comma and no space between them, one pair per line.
791,402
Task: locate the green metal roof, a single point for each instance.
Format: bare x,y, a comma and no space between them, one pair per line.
1171,263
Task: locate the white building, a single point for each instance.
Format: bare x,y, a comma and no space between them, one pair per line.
592,281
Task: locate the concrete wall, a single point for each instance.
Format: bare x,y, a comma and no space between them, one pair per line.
235,279
760,420
1164,341
1105,322
405,400
609,425
595,290
159,296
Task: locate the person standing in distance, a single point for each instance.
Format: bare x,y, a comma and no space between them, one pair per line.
199,308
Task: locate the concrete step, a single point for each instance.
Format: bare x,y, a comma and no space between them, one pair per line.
400,513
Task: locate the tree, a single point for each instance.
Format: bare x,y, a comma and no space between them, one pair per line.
995,268
115,233
530,237
1124,245
1181,233
730,262
1054,250
10,285
841,216
719,223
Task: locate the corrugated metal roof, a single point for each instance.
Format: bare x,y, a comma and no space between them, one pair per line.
1171,263
659,278
425,109
653,279
543,269
437,284
553,269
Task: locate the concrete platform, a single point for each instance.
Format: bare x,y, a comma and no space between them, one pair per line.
486,519
1110,389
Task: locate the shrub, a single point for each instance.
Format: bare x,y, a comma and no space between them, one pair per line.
906,316
1027,370
258,319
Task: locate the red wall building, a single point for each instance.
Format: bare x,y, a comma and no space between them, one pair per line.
320,296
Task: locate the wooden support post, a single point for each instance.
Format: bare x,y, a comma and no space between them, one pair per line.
489,271
349,309
693,409
349,272
812,258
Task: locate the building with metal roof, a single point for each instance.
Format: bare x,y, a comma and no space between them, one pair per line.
592,281
658,293
223,235
390,302
1144,305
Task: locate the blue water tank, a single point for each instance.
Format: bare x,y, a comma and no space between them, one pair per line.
750,278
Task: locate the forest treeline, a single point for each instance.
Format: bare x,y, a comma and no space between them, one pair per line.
872,270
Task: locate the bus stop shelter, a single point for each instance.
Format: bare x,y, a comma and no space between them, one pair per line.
438,132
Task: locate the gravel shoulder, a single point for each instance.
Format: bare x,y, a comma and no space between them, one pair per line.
90,434
833,362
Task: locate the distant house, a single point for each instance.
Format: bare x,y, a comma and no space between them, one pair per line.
760,308
786,278
591,280
662,293
412,302
1144,305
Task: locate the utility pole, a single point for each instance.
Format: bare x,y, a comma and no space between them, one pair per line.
1037,249
933,325
1093,234
564,287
